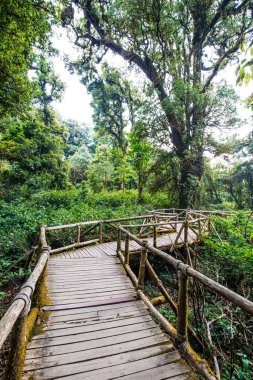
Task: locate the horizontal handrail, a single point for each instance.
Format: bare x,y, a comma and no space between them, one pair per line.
216,287
178,335
72,225
150,224
186,269
21,302
132,236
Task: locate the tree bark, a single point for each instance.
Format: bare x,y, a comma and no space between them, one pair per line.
140,188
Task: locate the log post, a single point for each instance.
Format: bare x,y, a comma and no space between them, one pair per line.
182,307
186,225
155,236
119,240
78,233
127,250
209,224
100,232
143,259
199,226
159,284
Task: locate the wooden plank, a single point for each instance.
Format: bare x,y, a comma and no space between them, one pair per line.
90,335
84,292
92,293
99,311
92,326
96,328
92,288
82,266
126,369
79,319
158,373
108,361
83,279
93,353
185,376
64,300
86,272
88,304
70,323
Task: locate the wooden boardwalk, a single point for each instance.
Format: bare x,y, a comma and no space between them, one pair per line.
94,327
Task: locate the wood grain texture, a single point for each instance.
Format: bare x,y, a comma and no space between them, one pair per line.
94,327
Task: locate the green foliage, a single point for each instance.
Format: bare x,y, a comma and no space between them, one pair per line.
232,259
179,48
35,155
21,219
24,27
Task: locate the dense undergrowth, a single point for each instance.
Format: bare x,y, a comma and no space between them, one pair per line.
20,220
226,255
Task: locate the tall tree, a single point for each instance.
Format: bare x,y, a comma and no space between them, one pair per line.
180,46
25,27
48,87
109,103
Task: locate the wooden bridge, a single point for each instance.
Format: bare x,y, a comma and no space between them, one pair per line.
90,317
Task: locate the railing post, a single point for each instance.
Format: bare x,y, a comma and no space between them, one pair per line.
78,233
100,232
186,223
119,240
199,225
182,307
143,259
127,250
155,236
208,224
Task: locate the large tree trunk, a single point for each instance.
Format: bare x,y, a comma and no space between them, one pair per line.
191,171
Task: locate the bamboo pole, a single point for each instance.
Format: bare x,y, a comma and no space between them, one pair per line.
128,269
143,259
75,245
131,236
119,239
78,233
127,250
182,317
63,226
160,286
155,236
186,230
228,294
18,304
197,362
100,232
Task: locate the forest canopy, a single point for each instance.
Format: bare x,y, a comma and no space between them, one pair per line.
167,131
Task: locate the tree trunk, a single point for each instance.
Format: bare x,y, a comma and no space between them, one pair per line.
140,188
191,171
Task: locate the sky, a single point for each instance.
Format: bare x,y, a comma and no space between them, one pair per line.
76,101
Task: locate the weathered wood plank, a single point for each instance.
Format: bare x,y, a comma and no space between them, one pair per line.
93,353
104,311
108,361
126,369
92,334
72,330
96,328
168,370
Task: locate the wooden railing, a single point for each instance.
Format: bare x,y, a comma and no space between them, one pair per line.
179,222
184,271
155,223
